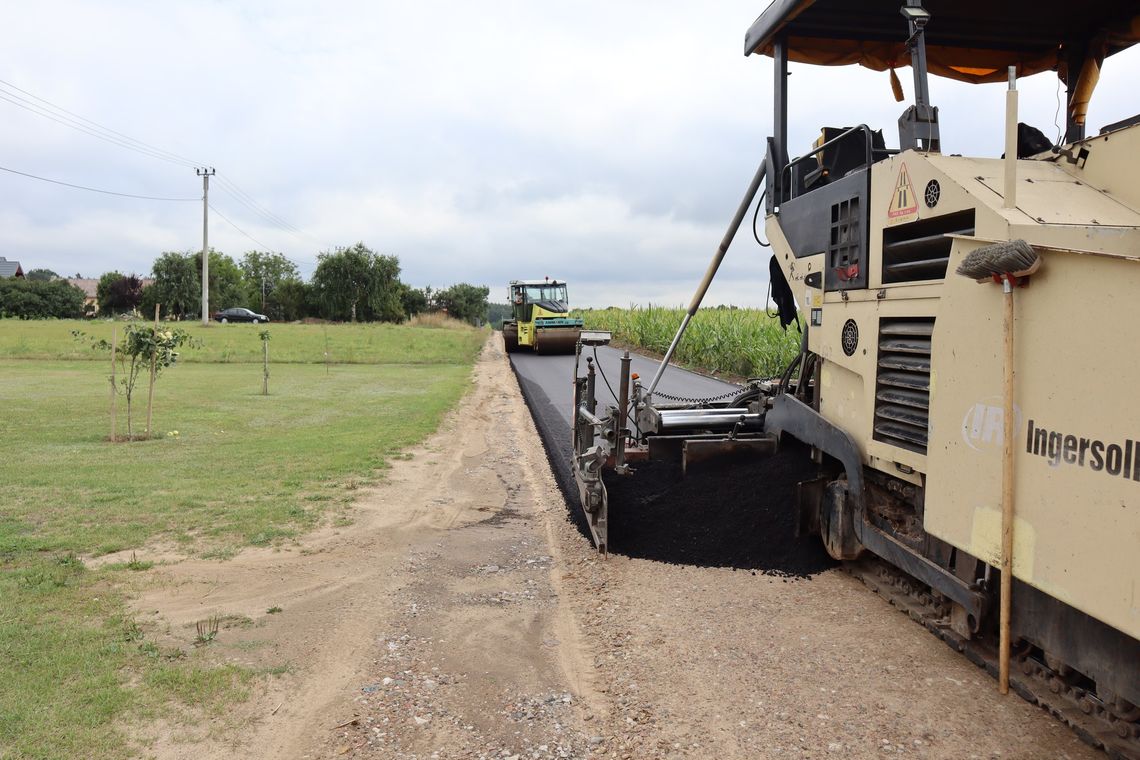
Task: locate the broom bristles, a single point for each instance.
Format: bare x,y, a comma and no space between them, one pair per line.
1015,257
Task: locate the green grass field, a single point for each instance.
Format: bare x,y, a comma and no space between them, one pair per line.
745,342
308,344
242,469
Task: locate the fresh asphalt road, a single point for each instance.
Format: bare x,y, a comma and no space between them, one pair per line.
554,376
547,385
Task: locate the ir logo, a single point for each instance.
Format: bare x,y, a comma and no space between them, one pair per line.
983,423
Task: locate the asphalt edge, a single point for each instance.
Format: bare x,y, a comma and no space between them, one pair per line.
558,449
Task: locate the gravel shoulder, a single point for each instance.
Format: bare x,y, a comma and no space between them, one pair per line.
463,615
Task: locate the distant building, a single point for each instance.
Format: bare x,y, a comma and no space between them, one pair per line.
10,268
89,287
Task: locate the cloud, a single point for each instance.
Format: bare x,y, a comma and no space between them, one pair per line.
604,143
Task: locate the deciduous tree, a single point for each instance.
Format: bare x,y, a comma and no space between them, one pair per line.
118,293
225,281
413,300
464,301
36,299
177,285
291,298
357,284
263,274
42,275
497,312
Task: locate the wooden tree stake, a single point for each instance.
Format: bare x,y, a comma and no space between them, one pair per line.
153,363
326,329
114,388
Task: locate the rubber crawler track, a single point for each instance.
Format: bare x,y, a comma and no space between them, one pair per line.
1096,730
1029,677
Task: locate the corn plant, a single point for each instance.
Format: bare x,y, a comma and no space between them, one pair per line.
745,342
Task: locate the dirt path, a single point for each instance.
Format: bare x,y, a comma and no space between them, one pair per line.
462,616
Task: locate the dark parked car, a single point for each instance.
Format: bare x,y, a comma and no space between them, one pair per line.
238,314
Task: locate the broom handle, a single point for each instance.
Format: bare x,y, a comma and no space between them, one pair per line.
1006,493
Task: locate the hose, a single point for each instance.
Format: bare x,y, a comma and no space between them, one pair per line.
755,217
632,406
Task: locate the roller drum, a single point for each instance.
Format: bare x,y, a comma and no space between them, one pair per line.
556,340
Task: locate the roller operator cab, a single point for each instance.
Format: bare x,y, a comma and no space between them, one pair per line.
540,318
900,388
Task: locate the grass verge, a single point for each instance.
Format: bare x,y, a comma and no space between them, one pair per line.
429,341
231,468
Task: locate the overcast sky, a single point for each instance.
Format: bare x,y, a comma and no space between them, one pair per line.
599,142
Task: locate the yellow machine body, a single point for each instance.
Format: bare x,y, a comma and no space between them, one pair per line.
541,318
1077,453
899,390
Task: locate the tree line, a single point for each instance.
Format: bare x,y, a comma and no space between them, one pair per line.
353,284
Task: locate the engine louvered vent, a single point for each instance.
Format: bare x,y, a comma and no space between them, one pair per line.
902,390
921,250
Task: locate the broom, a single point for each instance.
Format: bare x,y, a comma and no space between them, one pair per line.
1004,263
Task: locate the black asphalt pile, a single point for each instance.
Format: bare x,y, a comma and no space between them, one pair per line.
740,516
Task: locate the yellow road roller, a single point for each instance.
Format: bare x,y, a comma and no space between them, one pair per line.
541,318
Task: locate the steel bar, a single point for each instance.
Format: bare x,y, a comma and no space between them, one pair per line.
718,257
681,412
1009,197
588,416
710,420
623,409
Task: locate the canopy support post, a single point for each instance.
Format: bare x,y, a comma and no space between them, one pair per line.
1074,61
918,126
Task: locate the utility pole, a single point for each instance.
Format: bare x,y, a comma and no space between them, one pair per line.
205,173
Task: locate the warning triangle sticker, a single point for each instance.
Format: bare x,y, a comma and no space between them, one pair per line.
904,201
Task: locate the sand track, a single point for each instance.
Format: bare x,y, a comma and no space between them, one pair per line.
463,616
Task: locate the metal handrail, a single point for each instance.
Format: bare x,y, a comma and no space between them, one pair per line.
869,155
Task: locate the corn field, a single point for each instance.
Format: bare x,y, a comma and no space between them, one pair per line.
743,342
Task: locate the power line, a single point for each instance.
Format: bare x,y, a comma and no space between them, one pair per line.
85,125
239,229
255,240
257,211
231,187
61,115
95,189
39,111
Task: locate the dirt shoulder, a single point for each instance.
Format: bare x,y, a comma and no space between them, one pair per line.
463,616
434,620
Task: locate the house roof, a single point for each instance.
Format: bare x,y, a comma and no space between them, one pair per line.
90,286
10,268
86,284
